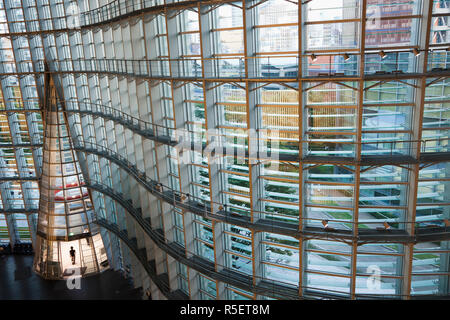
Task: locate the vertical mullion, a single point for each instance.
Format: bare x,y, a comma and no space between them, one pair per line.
358,147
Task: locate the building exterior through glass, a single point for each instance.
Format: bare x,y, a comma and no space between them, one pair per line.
252,149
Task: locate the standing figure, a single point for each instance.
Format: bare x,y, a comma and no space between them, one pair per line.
72,255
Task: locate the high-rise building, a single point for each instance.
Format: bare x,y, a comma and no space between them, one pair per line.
238,149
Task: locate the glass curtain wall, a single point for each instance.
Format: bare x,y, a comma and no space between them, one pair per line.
299,147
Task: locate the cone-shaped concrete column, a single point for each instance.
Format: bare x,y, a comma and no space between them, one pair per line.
67,241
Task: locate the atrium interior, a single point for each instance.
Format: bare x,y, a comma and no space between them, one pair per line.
218,149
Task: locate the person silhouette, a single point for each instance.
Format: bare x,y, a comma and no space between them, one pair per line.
72,254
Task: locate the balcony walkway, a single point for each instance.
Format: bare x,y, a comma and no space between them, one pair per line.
196,206
166,136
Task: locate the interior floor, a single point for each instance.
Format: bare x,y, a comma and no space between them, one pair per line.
19,282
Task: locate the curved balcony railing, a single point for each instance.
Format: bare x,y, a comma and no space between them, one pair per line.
18,210
18,178
374,152
262,220
379,152
198,263
396,63
146,129
185,68
21,145
251,283
149,266
258,68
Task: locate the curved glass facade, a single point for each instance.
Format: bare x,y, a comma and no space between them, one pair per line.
293,149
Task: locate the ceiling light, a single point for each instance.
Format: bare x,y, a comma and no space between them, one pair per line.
313,57
382,54
416,52
346,56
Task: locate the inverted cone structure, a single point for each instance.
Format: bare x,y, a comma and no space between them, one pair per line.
67,242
